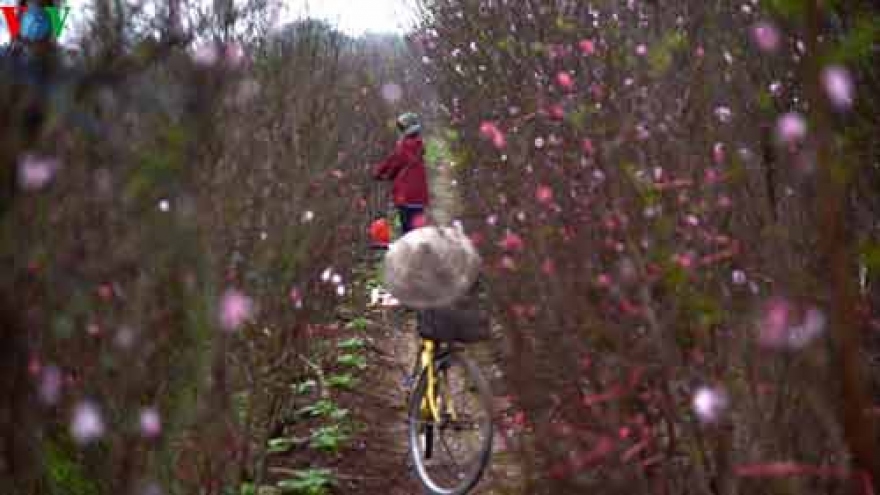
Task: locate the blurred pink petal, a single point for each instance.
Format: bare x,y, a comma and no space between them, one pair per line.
151,424
709,403
512,242
205,55
766,36
491,132
87,424
234,54
235,309
587,47
718,153
50,385
839,87
791,128
564,80
544,194
36,172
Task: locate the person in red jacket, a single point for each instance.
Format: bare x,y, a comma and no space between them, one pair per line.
406,167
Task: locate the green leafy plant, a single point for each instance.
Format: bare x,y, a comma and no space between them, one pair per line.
324,408
360,323
280,445
352,344
344,381
353,360
304,387
309,482
329,438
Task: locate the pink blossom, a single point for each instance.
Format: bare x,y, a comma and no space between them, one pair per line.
587,146
234,54
712,176
775,323
544,194
36,172
766,36
564,80
205,55
507,263
235,309
512,242
50,385
709,403
641,50
151,424
838,85
490,131
87,424
587,47
296,297
684,260
603,280
791,128
718,153
556,112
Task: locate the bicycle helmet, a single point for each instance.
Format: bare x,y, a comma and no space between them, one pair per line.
409,124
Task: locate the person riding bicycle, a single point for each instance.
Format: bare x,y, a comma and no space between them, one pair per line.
406,167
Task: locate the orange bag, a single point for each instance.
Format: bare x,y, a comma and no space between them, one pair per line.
380,232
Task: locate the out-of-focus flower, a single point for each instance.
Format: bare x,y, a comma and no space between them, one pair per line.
512,242
36,172
151,423
709,403
587,47
50,385
234,54
544,194
391,92
205,55
87,425
564,80
718,154
235,309
780,329
813,326
766,36
791,128
838,85
209,54
724,114
490,131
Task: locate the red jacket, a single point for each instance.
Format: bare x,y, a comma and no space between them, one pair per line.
406,167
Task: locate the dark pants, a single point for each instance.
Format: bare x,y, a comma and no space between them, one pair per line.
408,214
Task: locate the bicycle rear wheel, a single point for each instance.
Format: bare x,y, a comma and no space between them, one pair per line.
450,455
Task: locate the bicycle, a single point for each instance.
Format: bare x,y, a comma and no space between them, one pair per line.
450,397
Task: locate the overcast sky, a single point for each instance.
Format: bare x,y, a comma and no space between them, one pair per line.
357,16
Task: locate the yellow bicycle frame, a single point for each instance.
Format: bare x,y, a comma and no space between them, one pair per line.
429,403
